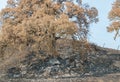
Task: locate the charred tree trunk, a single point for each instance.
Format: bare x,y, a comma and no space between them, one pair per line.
54,50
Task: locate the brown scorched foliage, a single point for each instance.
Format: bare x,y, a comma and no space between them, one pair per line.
114,16
36,25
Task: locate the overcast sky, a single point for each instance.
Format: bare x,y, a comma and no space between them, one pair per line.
99,34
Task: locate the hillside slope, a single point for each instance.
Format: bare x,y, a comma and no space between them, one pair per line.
104,62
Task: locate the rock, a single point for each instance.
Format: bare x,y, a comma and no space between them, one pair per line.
23,69
55,70
37,66
14,72
47,72
54,61
117,64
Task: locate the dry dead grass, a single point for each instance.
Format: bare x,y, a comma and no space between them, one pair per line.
12,60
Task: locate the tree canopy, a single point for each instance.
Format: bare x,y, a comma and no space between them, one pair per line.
37,24
114,16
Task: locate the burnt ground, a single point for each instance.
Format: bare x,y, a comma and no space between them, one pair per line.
102,66
106,70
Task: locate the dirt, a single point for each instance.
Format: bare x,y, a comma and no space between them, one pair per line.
106,78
